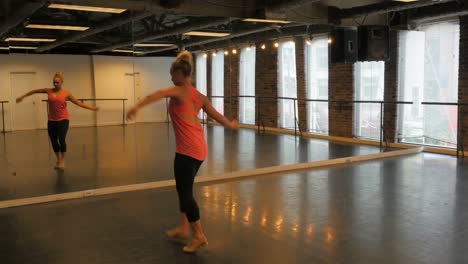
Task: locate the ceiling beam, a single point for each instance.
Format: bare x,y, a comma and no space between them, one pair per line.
169,32
447,10
216,8
385,7
103,26
248,34
25,11
271,35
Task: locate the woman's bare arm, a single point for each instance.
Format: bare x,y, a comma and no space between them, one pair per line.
154,97
20,99
211,111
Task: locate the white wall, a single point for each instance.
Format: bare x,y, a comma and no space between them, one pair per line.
90,77
153,74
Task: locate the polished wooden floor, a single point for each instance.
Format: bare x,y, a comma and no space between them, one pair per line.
411,209
114,156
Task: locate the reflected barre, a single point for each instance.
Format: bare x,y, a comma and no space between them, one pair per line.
3,115
297,128
103,99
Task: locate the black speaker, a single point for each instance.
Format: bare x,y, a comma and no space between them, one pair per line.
373,43
343,45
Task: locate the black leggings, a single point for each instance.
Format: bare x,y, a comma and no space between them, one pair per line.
57,134
185,169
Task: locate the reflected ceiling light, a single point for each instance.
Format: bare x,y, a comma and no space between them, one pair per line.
88,8
123,51
206,34
23,47
30,39
154,45
266,20
57,27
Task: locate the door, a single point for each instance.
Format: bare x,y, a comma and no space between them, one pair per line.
26,114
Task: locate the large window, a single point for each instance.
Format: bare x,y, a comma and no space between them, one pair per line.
201,76
217,81
287,84
247,86
316,62
368,86
428,69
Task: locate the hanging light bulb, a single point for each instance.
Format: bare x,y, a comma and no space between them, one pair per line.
276,44
226,52
263,46
234,51
205,55
214,53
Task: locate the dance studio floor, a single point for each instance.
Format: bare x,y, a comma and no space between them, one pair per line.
410,209
116,156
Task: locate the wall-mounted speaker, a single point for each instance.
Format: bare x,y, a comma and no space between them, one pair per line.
373,43
343,45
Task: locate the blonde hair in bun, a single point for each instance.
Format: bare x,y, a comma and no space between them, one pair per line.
59,75
183,63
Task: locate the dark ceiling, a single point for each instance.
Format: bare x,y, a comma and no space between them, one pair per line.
166,21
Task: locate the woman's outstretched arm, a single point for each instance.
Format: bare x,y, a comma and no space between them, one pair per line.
81,104
211,111
20,99
154,97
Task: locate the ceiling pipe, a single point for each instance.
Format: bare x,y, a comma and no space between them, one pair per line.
106,25
166,33
25,11
385,7
447,10
232,36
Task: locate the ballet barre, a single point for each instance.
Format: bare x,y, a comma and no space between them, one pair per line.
3,115
460,146
261,101
103,99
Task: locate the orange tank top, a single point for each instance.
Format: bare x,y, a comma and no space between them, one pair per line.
57,106
190,138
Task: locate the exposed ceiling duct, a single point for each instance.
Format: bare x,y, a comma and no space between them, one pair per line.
446,10
302,29
169,32
113,23
385,7
19,16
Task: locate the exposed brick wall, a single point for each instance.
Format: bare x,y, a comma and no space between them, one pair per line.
266,83
463,81
209,61
391,89
340,88
231,85
194,70
301,82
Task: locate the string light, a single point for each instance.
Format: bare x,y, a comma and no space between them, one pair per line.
263,46
276,44
226,52
234,51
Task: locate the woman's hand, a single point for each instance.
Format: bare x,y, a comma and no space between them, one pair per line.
95,108
132,113
234,124
19,99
